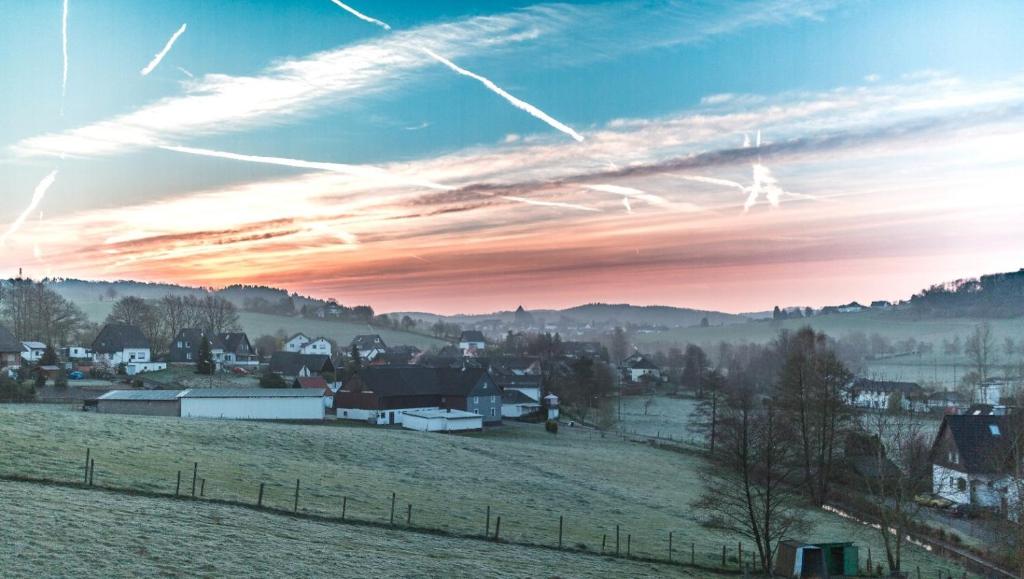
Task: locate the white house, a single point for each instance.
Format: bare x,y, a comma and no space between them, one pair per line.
296,343
253,403
990,392
637,367
877,394
515,404
973,462
77,353
369,346
120,344
318,346
438,420
32,351
471,341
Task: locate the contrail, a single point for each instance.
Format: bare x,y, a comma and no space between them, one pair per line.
64,49
362,16
186,72
629,192
354,170
625,203
712,181
549,203
167,48
37,197
523,105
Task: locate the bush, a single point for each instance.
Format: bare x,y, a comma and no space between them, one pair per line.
551,426
271,380
13,391
61,381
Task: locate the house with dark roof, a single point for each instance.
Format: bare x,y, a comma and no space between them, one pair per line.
472,341
228,348
974,461
877,394
398,356
577,350
121,344
290,365
639,368
516,404
381,394
10,349
369,346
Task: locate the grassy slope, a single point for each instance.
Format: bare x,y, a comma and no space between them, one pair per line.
258,324
104,534
526,476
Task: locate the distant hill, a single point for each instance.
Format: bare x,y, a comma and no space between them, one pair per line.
998,295
599,313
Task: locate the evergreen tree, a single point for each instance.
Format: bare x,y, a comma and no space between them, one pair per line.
49,357
205,365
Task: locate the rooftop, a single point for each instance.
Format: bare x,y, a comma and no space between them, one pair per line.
141,395
448,414
252,393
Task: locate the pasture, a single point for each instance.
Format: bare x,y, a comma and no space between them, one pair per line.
525,475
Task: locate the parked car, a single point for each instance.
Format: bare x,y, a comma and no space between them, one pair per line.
76,375
933,501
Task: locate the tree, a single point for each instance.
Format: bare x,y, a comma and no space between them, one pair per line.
272,380
619,347
219,315
980,349
131,310
267,344
49,357
33,311
408,323
204,364
752,492
695,367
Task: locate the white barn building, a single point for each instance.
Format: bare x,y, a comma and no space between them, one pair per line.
438,420
253,403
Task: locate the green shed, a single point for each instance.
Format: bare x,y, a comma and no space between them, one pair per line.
841,559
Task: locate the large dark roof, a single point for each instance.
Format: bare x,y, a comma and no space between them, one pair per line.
418,380
291,363
368,341
117,337
231,341
8,343
516,397
639,362
984,442
471,336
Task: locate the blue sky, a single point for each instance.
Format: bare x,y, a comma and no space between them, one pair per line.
601,68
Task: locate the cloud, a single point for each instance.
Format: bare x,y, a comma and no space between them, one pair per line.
548,203
163,52
37,198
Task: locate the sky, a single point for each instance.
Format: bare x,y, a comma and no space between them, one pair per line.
461,157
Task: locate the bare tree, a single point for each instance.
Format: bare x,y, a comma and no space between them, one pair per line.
218,315
980,348
619,347
752,492
36,312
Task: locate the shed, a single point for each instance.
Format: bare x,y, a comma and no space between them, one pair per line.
796,559
253,403
442,420
143,402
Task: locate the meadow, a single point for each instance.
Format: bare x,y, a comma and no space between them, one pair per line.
525,475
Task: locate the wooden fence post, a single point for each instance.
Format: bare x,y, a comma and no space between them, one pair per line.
408,516
739,550
560,520
92,470
723,555
344,505
670,546
487,529
202,487
616,540
603,539
195,473
177,486
393,496
259,499
295,508
693,554
629,541
918,572
87,452
497,529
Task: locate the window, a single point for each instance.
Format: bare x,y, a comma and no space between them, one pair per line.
476,400
492,411
961,484
188,355
954,457
994,429
493,399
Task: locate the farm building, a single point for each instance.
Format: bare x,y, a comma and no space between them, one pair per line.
293,364
442,421
253,403
381,395
145,402
515,404
817,560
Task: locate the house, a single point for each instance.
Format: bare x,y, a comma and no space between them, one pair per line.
850,308
471,341
10,349
294,364
877,394
143,402
881,305
522,318
991,392
638,368
253,403
947,402
295,343
76,353
576,350
551,403
515,404
32,352
318,346
369,346
119,344
438,420
383,394
973,461
236,349
398,356
185,346
319,383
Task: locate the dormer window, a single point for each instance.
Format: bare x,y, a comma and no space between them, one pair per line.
954,457
994,429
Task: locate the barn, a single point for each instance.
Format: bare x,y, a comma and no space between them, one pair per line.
143,402
442,420
253,403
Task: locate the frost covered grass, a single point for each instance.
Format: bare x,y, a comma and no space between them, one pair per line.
526,476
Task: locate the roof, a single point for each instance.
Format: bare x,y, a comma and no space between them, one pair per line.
368,341
252,393
231,341
142,395
472,336
514,381
954,397
312,382
868,385
117,337
419,380
446,414
291,363
8,343
34,345
984,441
639,362
516,397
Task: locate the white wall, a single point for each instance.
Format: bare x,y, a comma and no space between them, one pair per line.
138,368
443,424
944,484
307,408
378,417
516,410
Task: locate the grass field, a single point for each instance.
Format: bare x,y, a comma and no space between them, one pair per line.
665,417
51,531
525,475
256,325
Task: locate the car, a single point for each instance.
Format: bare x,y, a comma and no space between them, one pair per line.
240,371
932,501
76,375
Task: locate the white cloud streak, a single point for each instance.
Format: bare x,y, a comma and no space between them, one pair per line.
518,103
37,197
362,171
558,204
629,192
362,16
167,48
625,203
